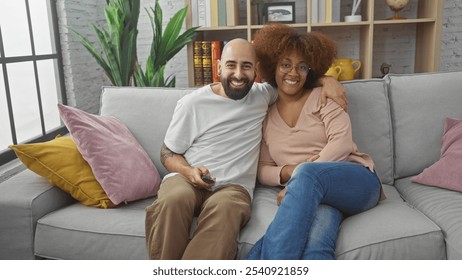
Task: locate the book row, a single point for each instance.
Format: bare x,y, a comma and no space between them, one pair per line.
214,13
205,55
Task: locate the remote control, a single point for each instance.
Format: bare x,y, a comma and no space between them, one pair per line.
207,179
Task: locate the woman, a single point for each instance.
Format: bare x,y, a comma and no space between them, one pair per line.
308,148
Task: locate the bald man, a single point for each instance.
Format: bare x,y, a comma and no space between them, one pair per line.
215,132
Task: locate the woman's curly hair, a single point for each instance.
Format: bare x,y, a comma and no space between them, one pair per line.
275,40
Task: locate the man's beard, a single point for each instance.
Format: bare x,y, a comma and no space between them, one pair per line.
236,93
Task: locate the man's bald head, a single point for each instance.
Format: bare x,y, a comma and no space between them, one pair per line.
239,47
237,68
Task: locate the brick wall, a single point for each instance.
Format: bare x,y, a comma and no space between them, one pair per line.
451,46
84,77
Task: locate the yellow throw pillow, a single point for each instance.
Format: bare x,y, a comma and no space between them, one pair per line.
61,163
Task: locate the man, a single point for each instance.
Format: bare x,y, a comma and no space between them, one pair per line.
215,132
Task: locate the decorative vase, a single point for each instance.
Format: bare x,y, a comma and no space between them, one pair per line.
348,67
396,6
334,71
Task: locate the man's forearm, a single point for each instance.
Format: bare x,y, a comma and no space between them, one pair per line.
173,162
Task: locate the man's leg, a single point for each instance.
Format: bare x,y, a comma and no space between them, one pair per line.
222,216
169,218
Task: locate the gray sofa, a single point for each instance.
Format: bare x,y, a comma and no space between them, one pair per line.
398,120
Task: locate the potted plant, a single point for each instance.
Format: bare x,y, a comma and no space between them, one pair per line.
118,43
165,45
118,56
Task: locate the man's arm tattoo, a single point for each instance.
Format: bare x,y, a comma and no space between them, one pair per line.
165,153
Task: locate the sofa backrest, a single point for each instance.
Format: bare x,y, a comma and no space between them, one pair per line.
420,104
369,110
146,112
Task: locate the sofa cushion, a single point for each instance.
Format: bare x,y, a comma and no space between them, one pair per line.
443,207
117,160
61,163
116,233
420,104
146,112
369,112
391,230
446,172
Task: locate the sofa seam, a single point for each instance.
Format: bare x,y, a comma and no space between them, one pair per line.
92,232
395,239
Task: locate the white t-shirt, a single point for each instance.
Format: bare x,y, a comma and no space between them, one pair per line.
221,134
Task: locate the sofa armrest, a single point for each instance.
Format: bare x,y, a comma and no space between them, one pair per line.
25,198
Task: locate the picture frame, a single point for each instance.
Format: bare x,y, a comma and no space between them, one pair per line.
283,12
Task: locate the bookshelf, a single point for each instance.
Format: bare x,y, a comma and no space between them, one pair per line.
426,20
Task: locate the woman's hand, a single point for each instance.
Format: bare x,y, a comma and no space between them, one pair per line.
312,158
281,195
286,173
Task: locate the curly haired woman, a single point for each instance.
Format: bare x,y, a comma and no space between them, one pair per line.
307,148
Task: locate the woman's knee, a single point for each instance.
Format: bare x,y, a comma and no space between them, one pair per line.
330,216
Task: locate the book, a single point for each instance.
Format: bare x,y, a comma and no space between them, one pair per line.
321,11
201,13
213,13
206,62
314,11
197,56
208,14
194,7
328,17
336,5
222,13
216,55
232,13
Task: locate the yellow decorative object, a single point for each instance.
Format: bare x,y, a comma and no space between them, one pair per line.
61,163
334,71
349,68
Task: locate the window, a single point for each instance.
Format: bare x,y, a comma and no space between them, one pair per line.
31,75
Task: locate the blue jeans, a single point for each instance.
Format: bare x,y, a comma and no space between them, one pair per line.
306,224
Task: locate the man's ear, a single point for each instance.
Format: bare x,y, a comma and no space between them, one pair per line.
218,62
257,68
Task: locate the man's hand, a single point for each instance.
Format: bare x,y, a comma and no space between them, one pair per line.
194,175
332,89
174,162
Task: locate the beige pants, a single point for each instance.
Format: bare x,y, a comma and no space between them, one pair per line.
221,214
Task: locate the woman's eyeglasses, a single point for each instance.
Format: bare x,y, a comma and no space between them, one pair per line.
302,68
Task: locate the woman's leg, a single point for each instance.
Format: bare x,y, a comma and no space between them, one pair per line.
349,187
323,236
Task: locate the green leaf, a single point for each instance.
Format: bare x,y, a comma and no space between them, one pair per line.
118,42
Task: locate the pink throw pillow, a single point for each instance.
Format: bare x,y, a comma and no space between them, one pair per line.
119,163
445,173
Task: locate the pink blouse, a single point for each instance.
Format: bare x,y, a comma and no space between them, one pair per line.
319,131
